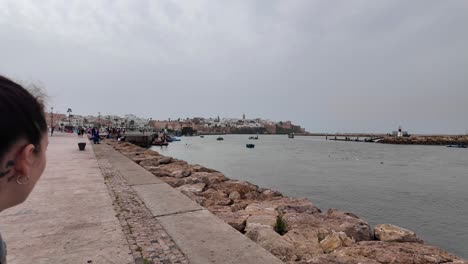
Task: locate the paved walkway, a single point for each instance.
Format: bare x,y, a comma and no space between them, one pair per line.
98,206
69,217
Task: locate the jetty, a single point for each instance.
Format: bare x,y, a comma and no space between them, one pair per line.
140,139
370,139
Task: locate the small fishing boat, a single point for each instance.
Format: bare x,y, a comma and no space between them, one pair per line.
175,139
291,135
220,138
457,146
202,136
253,137
250,145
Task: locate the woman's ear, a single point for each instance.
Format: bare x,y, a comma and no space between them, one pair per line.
25,160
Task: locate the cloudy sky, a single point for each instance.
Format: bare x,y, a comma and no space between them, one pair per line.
329,65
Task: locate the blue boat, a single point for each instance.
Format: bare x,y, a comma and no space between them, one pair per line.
456,146
172,139
250,145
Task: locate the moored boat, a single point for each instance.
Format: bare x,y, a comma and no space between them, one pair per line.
250,145
220,138
457,146
175,139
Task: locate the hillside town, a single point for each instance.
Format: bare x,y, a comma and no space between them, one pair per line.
187,126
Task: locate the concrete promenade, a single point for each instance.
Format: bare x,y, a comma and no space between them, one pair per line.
69,217
98,206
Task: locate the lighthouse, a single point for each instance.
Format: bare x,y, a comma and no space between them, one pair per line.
400,133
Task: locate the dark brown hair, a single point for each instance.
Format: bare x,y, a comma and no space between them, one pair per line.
21,116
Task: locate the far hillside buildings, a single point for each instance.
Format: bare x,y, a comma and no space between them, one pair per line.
194,125
228,125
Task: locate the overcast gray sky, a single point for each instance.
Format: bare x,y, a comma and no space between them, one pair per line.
328,65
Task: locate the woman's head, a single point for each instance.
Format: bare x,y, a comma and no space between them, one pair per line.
23,142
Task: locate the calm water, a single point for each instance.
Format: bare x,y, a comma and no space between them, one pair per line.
422,188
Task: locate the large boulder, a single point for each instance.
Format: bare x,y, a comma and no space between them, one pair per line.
351,224
199,168
165,160
392,233
198,177
261,219
239,204
209,178
235,219
181,173
193,188
172,181
159,172
305,241
214,197
144,160
175,165
198,199
334,241
285,205
151,153
241,187
152,160
273,242
339,259
354,228
398,253
267,193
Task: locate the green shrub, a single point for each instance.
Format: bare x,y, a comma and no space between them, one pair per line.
280,226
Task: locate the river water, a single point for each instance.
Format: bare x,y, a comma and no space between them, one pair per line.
422,188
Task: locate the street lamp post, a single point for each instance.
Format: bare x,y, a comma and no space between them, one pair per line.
51,121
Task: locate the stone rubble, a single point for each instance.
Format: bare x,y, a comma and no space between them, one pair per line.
310,235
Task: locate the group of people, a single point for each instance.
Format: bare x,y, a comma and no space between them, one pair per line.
94,133
117,133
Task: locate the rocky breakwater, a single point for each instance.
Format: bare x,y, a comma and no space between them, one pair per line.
293,229
426,140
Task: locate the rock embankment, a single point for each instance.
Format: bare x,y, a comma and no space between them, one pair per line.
426,140
293,229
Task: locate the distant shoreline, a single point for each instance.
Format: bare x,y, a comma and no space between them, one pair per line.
339,134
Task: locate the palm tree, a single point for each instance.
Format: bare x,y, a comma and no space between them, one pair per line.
69,111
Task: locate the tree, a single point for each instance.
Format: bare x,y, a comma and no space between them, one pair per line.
69,111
